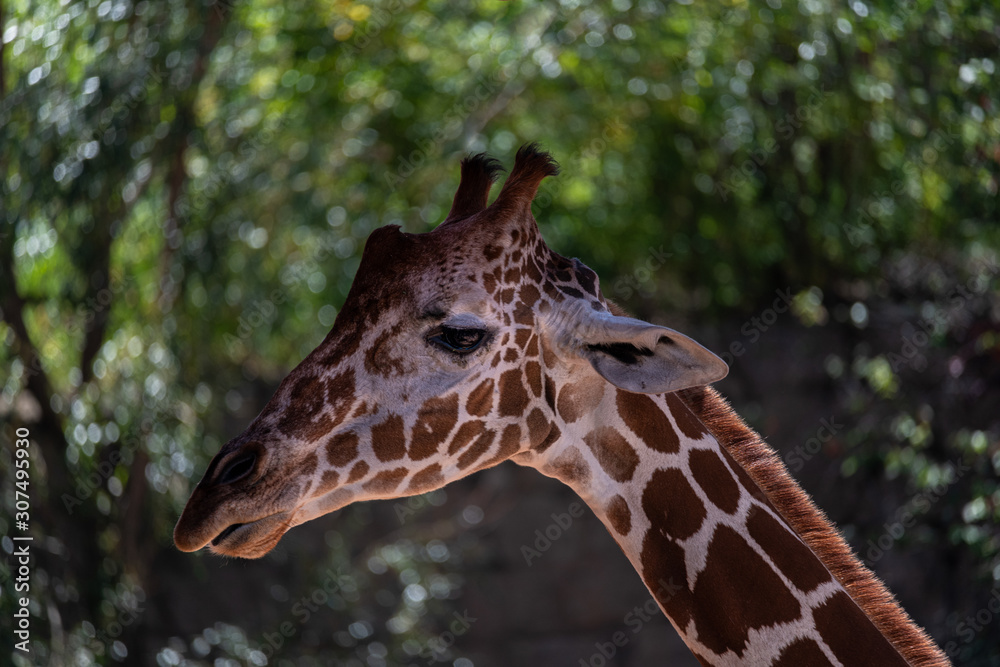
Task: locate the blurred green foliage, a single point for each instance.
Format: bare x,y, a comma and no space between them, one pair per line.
186,187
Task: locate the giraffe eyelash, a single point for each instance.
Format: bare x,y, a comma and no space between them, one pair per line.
458,340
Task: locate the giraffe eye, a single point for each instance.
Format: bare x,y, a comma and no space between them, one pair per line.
459,341
238,469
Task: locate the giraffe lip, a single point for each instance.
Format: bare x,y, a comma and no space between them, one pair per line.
252,539
226,533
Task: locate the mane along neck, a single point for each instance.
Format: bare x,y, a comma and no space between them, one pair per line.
768,472
737,556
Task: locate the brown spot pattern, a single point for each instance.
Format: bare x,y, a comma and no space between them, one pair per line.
510,442
570,467
523,314
579,398
714,479
359,470
586,277
849,633
489,282
328,482
613,452
746,481
553,435
427,479
480,399
363,409
385,481
738,580
379,359
388,442
689,425
478,448
533,371
619,515
340,395
342,448
466,432
532,349
513,396
672,505
664,572
343,347
792,557
434,421
647,420
521,337
308,465
538,427
529,295
306,420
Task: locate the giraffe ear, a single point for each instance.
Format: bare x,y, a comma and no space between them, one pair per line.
642,357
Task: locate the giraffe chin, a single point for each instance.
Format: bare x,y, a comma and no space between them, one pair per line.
253,539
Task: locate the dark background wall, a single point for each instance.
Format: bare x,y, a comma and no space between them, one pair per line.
185,188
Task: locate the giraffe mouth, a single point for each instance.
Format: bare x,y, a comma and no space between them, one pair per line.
252,539
226,533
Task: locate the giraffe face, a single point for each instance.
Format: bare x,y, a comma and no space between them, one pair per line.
444,360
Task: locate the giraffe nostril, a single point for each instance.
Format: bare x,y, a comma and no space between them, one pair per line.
238,468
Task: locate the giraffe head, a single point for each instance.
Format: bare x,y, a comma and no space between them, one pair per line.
446,358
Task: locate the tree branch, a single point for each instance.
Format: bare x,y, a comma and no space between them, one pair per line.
37,381
177,175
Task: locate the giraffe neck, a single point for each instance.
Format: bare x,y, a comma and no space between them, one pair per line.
736,580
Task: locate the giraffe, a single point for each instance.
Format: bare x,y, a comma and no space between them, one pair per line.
475,343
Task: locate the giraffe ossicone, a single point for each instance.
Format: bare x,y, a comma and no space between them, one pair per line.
475,343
